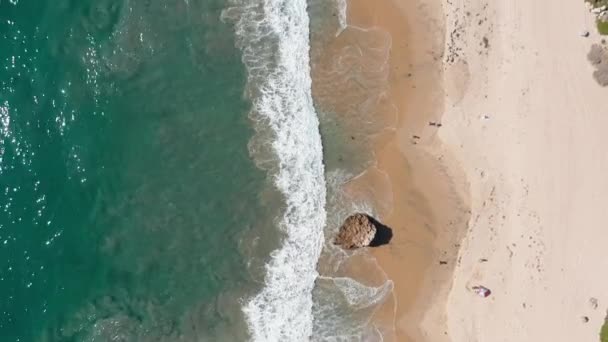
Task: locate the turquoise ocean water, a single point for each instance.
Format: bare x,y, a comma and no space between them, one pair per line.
125,178
162,175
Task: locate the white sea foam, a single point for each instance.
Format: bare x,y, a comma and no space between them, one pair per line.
346,312
274,38
359,295
5,131
341,6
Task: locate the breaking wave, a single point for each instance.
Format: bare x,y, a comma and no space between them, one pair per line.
273,36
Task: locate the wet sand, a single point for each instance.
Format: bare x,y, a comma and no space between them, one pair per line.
429,211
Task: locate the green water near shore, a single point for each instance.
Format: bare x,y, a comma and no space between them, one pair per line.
125,180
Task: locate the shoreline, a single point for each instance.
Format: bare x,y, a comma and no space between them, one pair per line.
493,173
428,195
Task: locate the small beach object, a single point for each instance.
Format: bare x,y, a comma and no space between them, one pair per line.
593,303
584,33
482,291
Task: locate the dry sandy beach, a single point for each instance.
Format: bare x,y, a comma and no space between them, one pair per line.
509,192
526,122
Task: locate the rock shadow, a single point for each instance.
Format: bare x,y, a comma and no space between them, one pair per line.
383,236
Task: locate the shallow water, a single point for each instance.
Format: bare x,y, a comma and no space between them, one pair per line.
350,74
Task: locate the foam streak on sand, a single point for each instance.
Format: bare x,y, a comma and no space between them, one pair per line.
274,38
341,6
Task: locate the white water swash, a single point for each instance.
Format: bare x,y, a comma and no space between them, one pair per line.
274,38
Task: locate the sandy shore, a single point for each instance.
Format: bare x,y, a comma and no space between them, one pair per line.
428,209
517,163
526,122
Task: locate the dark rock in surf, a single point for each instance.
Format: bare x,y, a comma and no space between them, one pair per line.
361,230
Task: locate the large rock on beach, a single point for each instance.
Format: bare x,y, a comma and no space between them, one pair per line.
358,230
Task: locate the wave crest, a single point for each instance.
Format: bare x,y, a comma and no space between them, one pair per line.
273,36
